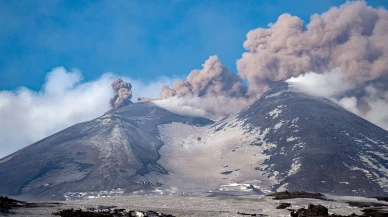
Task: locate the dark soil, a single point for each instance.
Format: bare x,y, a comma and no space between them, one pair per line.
297,194
283,205
6,204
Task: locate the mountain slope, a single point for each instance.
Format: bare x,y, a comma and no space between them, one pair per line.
319,146
284,140
104,153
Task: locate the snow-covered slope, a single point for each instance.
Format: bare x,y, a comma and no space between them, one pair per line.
319,146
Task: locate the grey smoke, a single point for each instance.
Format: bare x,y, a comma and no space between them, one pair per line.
213,91
351,37
122,93
214,79
346,49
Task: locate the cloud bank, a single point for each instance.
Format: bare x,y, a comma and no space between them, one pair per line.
27,116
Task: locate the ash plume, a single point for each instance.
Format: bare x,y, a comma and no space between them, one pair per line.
351,37
212,90
214,79
122,93
347,45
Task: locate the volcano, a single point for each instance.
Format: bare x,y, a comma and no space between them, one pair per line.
104,153
285,140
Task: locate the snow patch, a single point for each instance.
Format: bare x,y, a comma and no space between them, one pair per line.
347,183
291,139
295,166
377,172
274,95
276,112
371,140
278,125
283,187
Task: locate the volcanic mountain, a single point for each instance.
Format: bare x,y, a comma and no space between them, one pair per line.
104,153
284,140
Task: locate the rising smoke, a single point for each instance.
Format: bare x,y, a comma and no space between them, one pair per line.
214,79
346,48
122,93
212,91
351,37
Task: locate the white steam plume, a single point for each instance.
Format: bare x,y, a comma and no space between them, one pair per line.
372,104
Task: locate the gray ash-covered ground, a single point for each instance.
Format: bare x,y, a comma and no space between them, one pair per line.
153,205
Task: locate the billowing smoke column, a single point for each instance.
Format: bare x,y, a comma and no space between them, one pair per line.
352,37
349,42
212,90
214,79
123,94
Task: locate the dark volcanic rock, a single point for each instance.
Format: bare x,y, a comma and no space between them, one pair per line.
250,214
319,210
7,203
297,194
312,210
283,205
226,172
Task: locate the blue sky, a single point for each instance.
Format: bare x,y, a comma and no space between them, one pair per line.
139,39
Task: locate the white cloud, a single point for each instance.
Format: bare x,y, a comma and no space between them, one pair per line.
324,85
27,116
372,105
212,107
188,106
